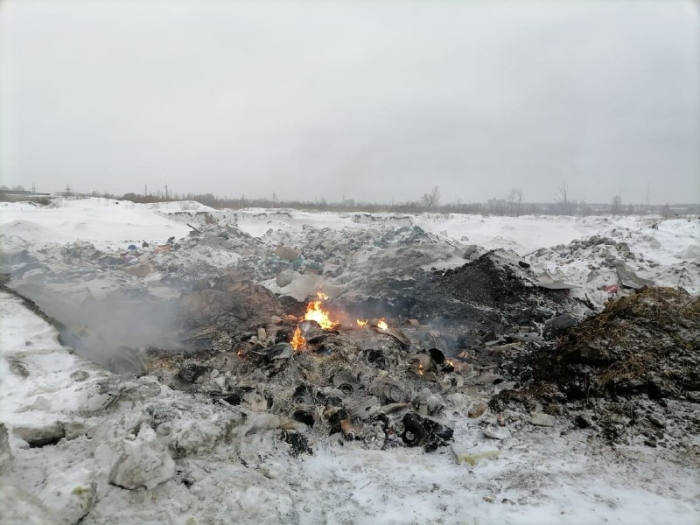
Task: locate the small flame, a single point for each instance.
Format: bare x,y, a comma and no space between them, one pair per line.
314,312
450,363
361,323
298,340
420,369
382,324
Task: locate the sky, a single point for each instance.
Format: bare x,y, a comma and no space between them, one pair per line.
372,101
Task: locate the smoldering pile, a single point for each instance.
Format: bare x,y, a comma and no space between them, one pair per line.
365,381
369,385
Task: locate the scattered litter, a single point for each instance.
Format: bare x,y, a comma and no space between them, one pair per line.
463,455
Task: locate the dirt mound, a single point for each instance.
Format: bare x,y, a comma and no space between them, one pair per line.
483,281
645,343
630,373
485,295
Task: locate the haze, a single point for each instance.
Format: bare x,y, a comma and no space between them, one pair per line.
369,101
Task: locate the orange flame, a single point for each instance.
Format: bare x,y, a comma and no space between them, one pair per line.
314,312
382,324
420,369
298,340
361,323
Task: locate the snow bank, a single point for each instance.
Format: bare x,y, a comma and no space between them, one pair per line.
102,222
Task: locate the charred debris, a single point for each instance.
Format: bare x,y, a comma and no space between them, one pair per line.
394,372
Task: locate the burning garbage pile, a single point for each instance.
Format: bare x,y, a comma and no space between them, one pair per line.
365,381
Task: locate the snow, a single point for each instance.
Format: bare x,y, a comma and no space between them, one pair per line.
541,474
104,223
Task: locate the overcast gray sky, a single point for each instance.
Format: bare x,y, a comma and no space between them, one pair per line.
374,101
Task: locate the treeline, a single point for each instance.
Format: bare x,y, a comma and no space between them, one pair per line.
512,205
500,207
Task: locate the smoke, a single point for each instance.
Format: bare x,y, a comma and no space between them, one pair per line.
112,331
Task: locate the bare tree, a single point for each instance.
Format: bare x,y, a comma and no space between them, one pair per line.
616,206
515,200
431,201
563,199
511,202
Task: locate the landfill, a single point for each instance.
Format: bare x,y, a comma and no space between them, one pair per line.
283,366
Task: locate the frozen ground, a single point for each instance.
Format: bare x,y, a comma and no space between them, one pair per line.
97,427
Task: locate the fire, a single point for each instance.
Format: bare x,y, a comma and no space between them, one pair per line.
298,340
420,369
314,312
361,323
382,324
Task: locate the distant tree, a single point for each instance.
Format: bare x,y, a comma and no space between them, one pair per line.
431,201
616,205
19,187
563,200
515,199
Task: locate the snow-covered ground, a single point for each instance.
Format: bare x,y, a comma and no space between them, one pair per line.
102,423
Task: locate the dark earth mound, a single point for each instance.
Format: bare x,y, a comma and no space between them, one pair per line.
632,371
647,343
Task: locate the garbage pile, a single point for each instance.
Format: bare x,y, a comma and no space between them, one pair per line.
340,367
366,383
632,372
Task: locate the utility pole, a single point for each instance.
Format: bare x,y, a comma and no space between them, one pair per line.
166,192
33,188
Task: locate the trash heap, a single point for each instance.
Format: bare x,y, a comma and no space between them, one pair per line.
365,384
383,384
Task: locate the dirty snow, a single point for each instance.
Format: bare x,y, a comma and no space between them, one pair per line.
540,475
